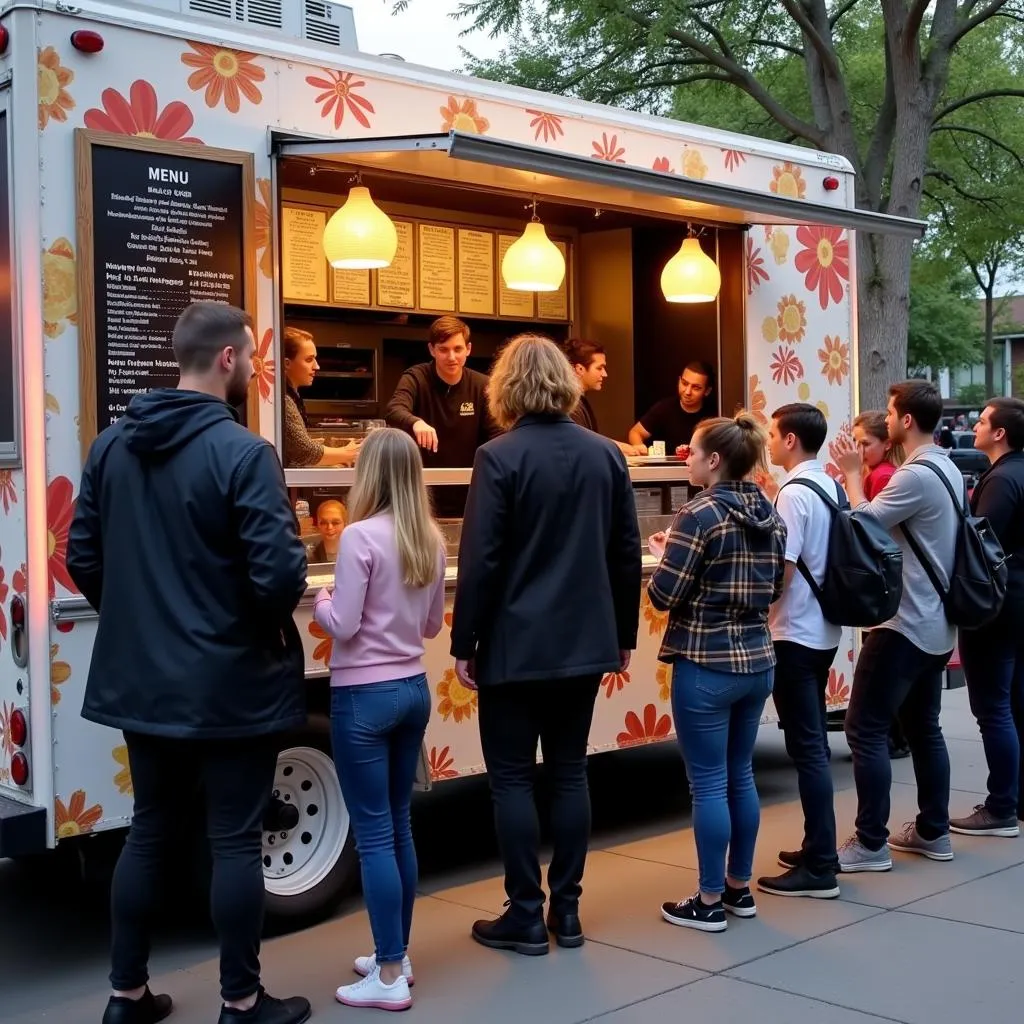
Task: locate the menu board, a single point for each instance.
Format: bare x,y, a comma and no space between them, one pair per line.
396,284
476,272
159,227
8,433
511,303
351,287
303,265
555,305
437,268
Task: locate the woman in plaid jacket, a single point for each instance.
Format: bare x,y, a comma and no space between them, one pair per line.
723,565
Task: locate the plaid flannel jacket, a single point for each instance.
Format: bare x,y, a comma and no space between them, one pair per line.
723,566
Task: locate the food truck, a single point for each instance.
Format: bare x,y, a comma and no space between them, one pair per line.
151,157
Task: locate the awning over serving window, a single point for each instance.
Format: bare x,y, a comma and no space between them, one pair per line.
477,161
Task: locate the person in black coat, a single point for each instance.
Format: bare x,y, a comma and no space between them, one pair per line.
547,602
184,541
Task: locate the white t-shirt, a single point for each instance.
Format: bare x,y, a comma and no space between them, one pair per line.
796,616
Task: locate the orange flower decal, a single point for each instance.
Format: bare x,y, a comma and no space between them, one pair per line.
548,125
440,763
663,164
454,699
824,261
225,74
60,673
4,588
788,181
786,368
656,621
836,692
733,158
74,819
768,484
60,288
141,115
835,360
608,149
755,267
263,368
757,400
324,649
8,492
6,740
52,78
339,94
792,319
651,729
262,232
123,779
463,117
60,509
448,618
613,682
663,677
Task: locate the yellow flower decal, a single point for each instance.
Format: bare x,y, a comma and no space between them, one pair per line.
804,391
663,677
792,318
60,673
123,779
778,243
60,290
693,164
454,699
51,79
770,329
463,117
788,181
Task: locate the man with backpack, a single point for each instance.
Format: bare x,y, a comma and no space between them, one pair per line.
902,661
805,646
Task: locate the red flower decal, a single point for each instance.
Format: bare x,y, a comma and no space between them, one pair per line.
8,494
836,692
651,729
339,93
263,366
440,762
755,267
608,149
4,589
824,261
140,114
323,650
785,367
613,682
733,158
60,510
548,125
663,164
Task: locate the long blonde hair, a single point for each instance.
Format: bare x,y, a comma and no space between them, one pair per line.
389,478
531,376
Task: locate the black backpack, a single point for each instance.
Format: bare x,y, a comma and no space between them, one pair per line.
863,580
977,586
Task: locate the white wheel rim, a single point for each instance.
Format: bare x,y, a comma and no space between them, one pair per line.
297,860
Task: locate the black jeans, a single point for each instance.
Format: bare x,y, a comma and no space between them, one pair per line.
801,677
513,717
235,778
895,677
993,660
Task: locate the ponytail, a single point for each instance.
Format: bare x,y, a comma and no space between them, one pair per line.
739,441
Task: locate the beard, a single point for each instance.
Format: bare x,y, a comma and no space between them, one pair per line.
238,387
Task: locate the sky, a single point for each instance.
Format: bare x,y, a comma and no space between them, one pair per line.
424,34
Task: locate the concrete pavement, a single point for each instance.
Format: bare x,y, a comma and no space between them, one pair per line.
925,944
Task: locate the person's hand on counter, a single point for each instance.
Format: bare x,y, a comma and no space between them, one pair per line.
343,456
631,450
425,434
656,543
466,671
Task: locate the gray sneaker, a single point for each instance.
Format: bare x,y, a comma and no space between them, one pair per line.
855,856
984,823
910,841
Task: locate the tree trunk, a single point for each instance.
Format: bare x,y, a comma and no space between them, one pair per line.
990,354
883,294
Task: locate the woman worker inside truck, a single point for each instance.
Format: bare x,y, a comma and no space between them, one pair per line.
300,366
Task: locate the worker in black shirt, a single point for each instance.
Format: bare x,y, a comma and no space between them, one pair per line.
673,420
443,404
589,361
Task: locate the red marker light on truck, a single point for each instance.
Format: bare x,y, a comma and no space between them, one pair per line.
18,727
19,769
5,38
86,41
830,184
17,612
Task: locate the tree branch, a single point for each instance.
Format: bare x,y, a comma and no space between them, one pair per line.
914,19
947,179
991,139
990,10
842,10
796,51
978,97
822,46
665,83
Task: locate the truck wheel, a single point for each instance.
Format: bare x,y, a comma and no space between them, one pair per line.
308,868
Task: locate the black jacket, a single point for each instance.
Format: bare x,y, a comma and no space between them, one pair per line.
549,562
999,497
184,541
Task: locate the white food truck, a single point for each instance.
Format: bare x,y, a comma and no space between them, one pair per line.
157,153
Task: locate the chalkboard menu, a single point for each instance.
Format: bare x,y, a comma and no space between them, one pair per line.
160,226
8,416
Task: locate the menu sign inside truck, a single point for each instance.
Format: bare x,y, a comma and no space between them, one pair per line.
163,226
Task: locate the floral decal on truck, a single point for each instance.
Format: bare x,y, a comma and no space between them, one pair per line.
52,81
649,729
74,819
454,699
60,288
60,510
139,114
226,75
339,94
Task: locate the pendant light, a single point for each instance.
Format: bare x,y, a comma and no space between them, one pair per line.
360,235
691,275
533,263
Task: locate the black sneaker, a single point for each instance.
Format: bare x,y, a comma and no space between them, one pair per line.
567,929
984,823
147,1010
269,1010
507,933
739,901
801,881
695,913
790,858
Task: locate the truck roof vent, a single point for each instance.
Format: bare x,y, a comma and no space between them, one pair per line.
263,12
330,23
218,8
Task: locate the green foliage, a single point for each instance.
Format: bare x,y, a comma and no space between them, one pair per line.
972,394
944,327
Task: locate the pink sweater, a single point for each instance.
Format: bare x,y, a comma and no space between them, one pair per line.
377,621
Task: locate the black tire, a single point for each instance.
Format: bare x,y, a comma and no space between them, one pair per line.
306,891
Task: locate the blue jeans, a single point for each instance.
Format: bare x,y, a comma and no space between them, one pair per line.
376,732
717,715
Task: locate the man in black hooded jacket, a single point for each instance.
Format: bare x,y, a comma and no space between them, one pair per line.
184,541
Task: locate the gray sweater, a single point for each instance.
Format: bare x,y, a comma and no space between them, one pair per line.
915,497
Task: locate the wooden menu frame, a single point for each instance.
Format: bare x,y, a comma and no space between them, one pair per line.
85,142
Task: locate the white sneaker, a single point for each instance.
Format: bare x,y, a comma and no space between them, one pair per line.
364,965
372,992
